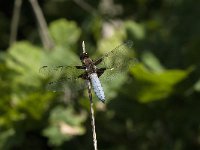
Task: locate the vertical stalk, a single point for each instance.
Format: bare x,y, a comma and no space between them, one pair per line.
15,21
92,116
43,29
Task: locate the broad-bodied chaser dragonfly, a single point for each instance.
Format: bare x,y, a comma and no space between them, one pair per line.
107,67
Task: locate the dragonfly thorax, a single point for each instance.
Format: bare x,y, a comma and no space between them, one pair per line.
89,65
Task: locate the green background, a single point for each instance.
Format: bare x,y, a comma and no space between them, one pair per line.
156,105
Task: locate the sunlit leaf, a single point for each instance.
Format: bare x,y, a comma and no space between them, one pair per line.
197,86
64,32
150,86
64,125
136,29
152,62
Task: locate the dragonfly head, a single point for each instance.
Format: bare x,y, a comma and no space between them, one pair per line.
84,55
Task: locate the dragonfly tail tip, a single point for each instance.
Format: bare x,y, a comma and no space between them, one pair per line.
103,101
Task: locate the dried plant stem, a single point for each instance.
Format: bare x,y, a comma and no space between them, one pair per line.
15,21
43,29
92,116
85,6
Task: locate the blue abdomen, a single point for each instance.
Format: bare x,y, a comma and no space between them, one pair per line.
97,86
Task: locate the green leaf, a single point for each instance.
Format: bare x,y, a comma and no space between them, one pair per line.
64,32
64,125
24,55
152,62
35,104
60,56
136,29
25,60
197,86
26,96
150,86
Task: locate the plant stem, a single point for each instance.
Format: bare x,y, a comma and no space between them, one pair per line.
43,28
15,21
92,116
84,5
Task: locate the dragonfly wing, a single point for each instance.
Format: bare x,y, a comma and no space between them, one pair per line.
59,71
64,77
64,84
117,61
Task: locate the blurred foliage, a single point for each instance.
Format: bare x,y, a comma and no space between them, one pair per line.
153,106
63,128
152,85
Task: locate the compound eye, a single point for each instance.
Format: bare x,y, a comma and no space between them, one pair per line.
84,55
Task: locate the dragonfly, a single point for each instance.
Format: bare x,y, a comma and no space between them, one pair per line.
90,72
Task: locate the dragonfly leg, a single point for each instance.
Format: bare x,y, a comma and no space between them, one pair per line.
83,76
98,61
80,67
100,71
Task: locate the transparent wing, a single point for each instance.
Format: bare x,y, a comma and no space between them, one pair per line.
117,61
64,77
66,71
64,84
